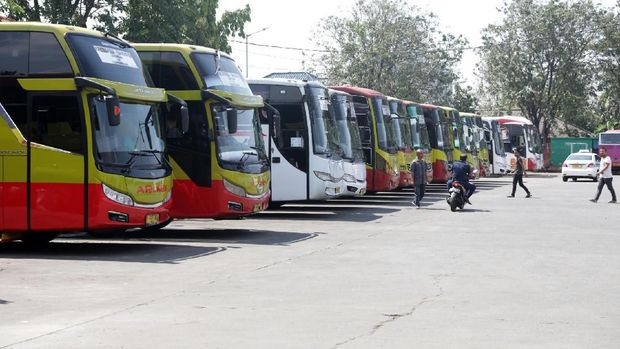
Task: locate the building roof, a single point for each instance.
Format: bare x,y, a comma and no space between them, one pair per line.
294,75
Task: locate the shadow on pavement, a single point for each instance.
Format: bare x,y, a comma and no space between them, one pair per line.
333,210
132,252
182,231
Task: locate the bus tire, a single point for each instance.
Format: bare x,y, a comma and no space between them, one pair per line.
38,238
564,179
275,204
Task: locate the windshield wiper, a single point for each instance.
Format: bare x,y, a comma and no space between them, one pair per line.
244,158
132,158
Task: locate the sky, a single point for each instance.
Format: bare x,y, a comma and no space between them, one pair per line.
292,23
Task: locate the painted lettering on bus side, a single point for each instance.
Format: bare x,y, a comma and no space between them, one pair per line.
151,189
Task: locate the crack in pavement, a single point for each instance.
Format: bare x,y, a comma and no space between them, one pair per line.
394,317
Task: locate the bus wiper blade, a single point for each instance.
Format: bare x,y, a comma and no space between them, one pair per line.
244,158
135,154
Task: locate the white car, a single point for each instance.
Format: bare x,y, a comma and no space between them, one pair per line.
581,165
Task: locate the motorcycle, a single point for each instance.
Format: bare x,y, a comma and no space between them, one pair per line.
456,196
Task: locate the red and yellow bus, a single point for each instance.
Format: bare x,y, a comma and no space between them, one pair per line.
402,136
440,137
419,134
378,143
81,147
220,166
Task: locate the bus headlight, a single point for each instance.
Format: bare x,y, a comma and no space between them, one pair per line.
116,196
324,176
235,189
349,178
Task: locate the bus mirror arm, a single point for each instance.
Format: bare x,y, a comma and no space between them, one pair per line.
184,112
206,94
275,116
112,102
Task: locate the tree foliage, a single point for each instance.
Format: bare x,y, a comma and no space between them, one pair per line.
174,21
608,78
392,47
465,99
540,60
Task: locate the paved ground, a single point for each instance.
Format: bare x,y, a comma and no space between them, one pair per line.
362,273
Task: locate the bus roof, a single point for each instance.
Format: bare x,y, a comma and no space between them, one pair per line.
612,131
512,119
285,82
59,29
337,92
182,48
358,91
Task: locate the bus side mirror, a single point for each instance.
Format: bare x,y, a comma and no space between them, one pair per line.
184,119
113,106
365,134
231,119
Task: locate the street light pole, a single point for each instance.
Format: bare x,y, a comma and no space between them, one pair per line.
246,49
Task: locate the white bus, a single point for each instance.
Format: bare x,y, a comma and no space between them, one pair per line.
493,138
520,133
302,143
343,115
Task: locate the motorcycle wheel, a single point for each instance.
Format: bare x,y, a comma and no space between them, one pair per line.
452,202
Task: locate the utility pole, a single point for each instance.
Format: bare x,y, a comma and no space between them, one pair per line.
247,66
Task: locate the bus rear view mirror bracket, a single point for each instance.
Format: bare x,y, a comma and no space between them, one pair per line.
231,119
112,102
183,112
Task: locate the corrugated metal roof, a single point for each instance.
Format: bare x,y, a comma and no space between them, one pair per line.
296,75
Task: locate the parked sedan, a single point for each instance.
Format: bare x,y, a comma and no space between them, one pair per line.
580,165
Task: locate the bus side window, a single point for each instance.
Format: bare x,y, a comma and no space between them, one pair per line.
57,122
47,56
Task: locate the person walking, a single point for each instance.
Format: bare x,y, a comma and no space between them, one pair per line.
605,177
418,170
519,172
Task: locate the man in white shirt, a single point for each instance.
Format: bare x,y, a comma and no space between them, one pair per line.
605,177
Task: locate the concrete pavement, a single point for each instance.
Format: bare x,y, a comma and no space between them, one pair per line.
371,272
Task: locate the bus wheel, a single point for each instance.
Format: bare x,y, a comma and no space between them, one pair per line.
38,238
564,179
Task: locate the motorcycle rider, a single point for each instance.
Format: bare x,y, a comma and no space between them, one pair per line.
461,172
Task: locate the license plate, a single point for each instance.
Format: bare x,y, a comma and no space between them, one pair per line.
257,207
575,166
152,219
337,190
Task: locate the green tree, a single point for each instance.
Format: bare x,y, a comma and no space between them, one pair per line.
392,47
183,21
465,99
608,79
173,21
539,59
71,12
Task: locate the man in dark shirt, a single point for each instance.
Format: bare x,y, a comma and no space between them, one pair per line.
418,170
519,172
461,172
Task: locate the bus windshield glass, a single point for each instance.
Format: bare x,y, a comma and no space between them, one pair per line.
609,138
136,142
221,73
324,132
108,59
242,150
533,139
346,122
497,138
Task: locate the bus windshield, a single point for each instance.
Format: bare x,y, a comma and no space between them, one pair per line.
219,72
533,139
609,138
136,143
324,131
242,150
346,122
380,109
108,59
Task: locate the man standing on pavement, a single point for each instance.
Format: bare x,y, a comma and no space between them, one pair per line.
418,170
519,172
606,177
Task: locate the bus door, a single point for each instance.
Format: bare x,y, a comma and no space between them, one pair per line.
364,122
56,163
288,144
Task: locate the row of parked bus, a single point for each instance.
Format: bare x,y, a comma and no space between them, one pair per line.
99,134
